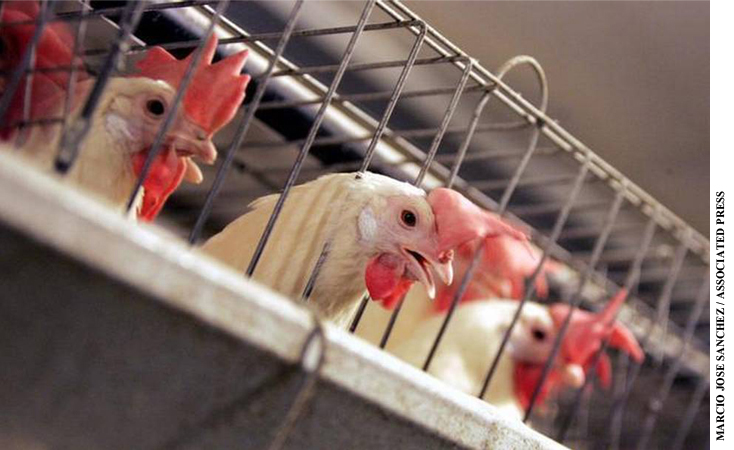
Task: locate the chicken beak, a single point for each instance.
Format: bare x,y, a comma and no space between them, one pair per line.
422,266
191,141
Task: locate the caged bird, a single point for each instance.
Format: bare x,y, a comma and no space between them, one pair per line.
128,115
382,234
475,333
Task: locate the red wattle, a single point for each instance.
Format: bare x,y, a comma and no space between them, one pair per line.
166,173
384,279
526,377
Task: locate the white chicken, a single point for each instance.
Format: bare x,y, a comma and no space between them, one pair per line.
474,335
383,235
124,125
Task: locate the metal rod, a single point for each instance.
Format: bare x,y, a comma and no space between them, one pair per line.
168,121
397,91
259,37
693,408
70,87
575,300
25,62
73,136
369,153
461,154
631,281
560,222
360,311
656,402
367,97
358,67
422,173
293,176
532,146
243,126
317,340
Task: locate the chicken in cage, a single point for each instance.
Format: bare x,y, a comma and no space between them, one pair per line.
293,224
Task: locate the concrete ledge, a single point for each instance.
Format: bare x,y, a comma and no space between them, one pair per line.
116,336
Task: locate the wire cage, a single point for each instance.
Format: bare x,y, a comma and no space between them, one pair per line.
377,88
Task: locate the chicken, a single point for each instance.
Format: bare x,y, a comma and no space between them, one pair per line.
383,235
475,334
123,127
210,102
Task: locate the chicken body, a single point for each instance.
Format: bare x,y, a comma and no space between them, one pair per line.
361,220
470,343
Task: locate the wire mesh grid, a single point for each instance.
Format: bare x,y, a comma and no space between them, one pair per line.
376,88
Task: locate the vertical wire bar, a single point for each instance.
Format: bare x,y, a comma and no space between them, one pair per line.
575,300
244,125
444,123
19,72
296,170
379,131
27,95
657,401
635,368
79,37
532,146
693,407
461,154
188,76
632,278
424,169
369,154
73,136
557,228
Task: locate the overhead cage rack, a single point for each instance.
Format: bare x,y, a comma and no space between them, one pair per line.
369,85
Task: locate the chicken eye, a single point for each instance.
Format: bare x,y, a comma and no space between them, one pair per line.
538,334
408,218
155,107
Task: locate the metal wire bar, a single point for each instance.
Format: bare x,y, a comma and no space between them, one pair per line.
396,94
530,290
27,95
693,407
26,60
315,339
359,67
498,154
259,37
367,97
619,406
422,173
70,87
168,121
655,403
575,300
583,232
631,282
73,136
311,137
407,133
553,130
112,11
243,126
532,146
547,208
369,153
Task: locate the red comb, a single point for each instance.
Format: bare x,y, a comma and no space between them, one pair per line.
587,331
215,91
459,220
